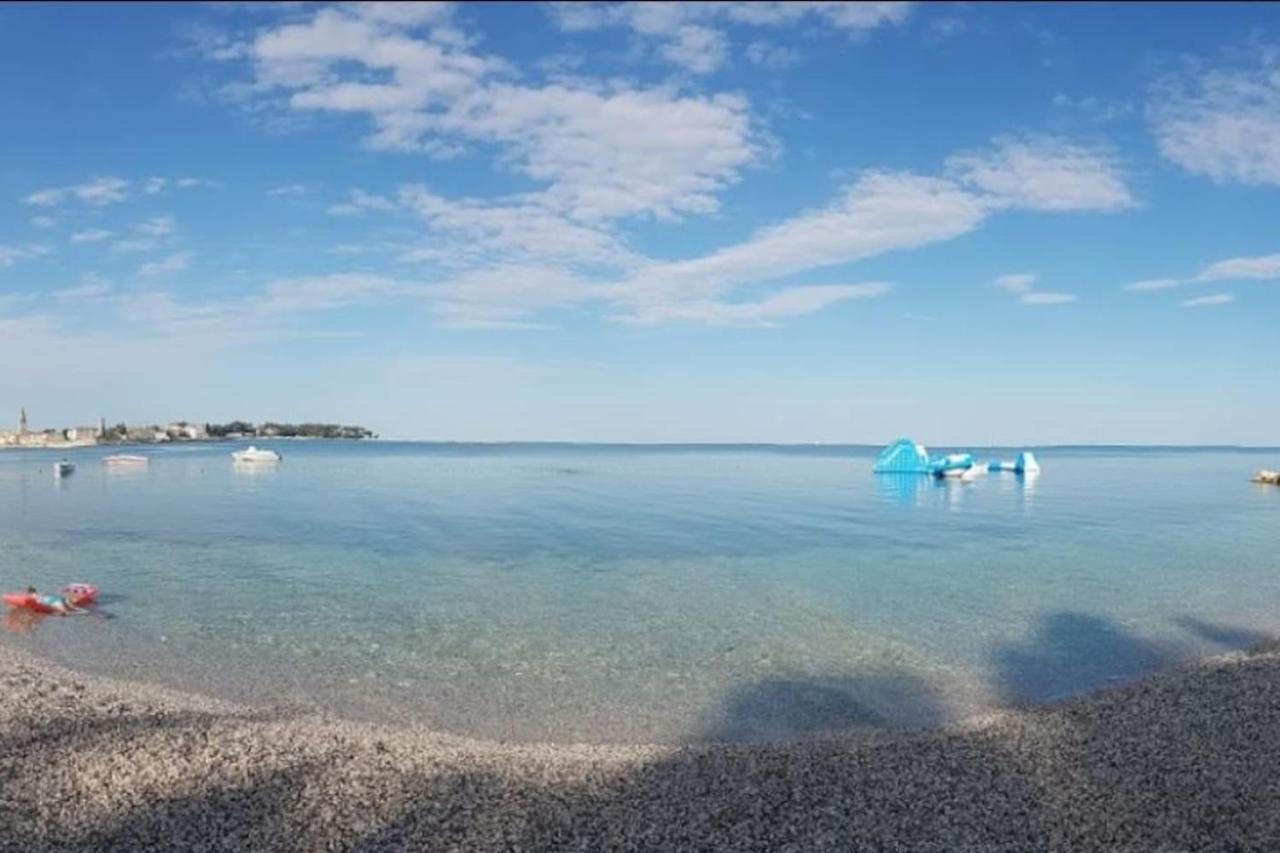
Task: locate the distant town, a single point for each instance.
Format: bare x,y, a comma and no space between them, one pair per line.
102,433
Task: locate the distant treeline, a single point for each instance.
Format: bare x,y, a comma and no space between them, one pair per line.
271,428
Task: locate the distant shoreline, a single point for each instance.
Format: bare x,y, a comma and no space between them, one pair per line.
710,445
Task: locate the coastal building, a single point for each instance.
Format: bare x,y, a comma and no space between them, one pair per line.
146,434
82,434
182,430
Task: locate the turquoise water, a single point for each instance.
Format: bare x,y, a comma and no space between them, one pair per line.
602,593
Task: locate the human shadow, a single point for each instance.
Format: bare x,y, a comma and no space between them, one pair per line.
1182,761
1072,652
1228,636
791,708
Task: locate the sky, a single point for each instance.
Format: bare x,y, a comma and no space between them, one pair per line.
715,222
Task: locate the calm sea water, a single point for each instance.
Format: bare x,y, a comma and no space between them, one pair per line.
602,593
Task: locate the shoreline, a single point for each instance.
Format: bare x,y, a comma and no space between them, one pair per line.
1183,759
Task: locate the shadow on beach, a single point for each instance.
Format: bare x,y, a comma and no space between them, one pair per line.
1182,761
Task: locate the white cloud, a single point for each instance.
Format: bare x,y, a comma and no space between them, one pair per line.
1154,284
143,244
157,226
507,296
1207,301
1261,268
362,202
43,221
173,263
790,302
1223,123
1016,282
698,49
684,35
598,151
154,186
1041,298
9,255
1043,173
288,189
90,235
881,212
323,293
1021,285
522,232
92,288
98,191
609,154
770,55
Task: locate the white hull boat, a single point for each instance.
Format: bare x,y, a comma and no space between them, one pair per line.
253,454
124,459
62,469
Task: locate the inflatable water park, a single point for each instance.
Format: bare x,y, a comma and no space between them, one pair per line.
905,456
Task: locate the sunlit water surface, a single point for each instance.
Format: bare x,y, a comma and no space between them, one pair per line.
596,593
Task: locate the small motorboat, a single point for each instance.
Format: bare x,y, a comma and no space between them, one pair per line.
253,454
124,459
63,468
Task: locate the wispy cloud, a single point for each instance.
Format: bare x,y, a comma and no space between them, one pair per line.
90,235
1222,122
602,154
773,56
1042,298
157,226
1043,173
1149,284
1207,301
1016,282
789,302
43,221
92,288
132,245
97,191
598,151
362,202
685,34
9,255
173,263
1258,268
287,189
1022,284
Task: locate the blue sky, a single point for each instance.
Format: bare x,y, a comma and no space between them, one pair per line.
647,222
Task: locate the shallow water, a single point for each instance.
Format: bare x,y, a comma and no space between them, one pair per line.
606,593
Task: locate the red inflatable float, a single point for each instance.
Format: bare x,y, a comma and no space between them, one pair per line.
77,594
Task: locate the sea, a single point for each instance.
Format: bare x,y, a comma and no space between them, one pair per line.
640,594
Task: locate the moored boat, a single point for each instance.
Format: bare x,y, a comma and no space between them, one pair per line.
124,459
63,468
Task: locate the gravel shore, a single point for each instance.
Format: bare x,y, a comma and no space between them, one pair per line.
1184,761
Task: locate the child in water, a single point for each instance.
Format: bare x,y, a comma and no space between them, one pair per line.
57,603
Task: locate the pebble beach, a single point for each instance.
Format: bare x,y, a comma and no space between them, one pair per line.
1185,760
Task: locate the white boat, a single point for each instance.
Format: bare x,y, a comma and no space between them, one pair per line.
124,459
253,454
62,469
